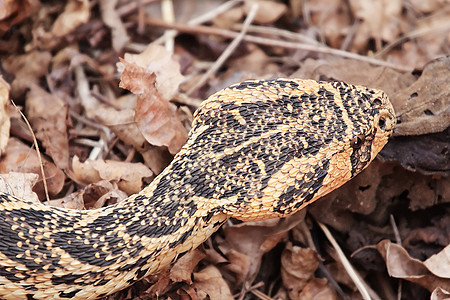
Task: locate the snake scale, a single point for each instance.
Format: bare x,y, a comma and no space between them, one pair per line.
257,150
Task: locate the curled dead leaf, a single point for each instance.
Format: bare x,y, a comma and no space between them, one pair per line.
48,116
432,274
210,284
424,106
19,157
19,185
317,289
297,268
155,59
155,117
130,177
184,267
76,13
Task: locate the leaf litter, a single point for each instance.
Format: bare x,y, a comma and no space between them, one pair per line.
100,143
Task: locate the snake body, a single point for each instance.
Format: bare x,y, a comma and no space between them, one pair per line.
256,150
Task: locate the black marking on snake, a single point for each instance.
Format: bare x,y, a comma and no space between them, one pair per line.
311,180
70,294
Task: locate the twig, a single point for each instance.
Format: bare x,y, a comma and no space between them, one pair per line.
214,12
204,18
41,164
169,17
266,30
398,240
348,267
224,56
411,35
275,43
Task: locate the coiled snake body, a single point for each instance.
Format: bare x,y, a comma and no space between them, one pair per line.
256,150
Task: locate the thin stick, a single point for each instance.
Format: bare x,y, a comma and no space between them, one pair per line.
203,18
398,238
224,56
41,164
169,17
348,267
275,43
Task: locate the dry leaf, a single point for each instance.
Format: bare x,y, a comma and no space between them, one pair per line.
210,284
19,185
424,106
48,115
13,12
330,18
27,68
246,243
184,267
268,11
121,122
317,289
19,157
112,19
155,59
297,268
130,177
384,25
76,13
432,274
156,117
440,294
5,123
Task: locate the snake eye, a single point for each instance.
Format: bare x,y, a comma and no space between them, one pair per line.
357,141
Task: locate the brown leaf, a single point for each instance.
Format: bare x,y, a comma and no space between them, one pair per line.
317,289
384,25
184,267
27,68
5,122
246,243
112,19
440,294
122,124
156,118
210,284
19,185
297,268
76,13
432,274
15,11
268,11
19,157
47,115
156,59
423,107
130,177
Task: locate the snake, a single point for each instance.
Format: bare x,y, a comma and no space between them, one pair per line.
257,150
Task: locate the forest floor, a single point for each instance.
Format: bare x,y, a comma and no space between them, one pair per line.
383,235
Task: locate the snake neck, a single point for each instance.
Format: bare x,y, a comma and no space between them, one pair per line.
106,249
